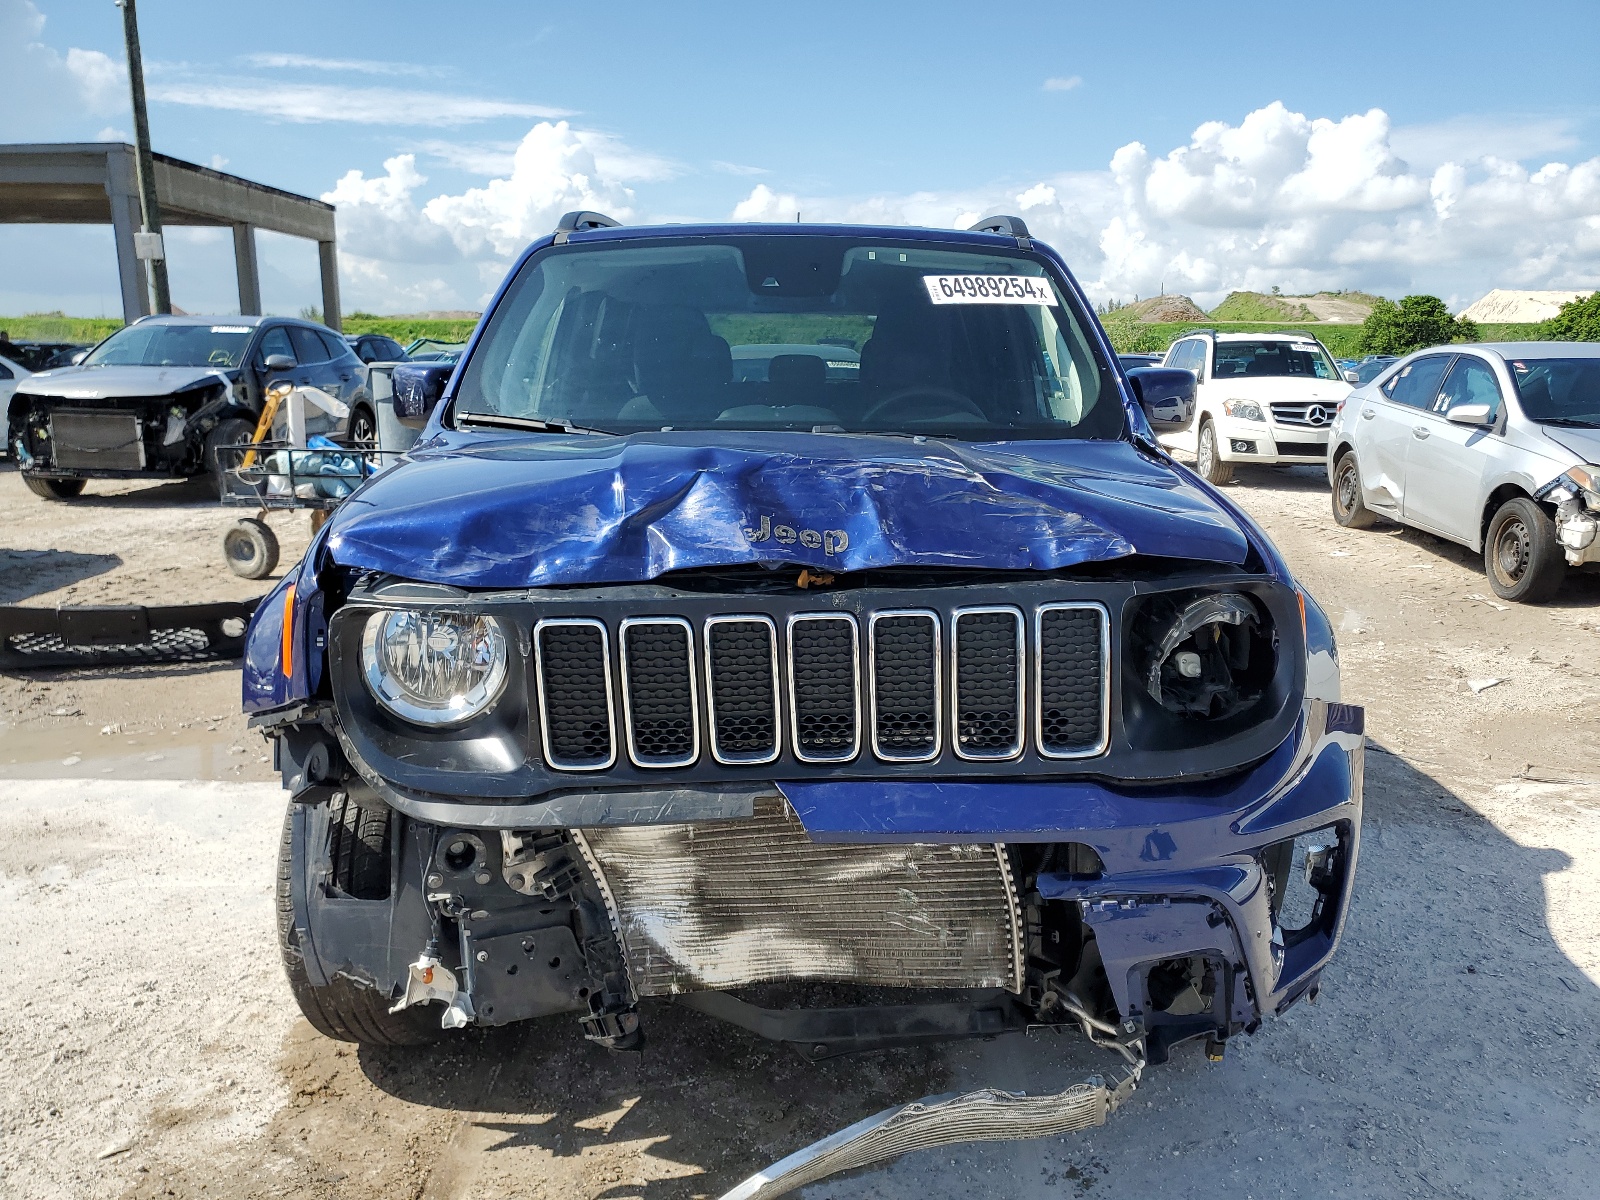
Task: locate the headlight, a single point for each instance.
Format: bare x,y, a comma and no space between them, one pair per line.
1245,410
434,668
1585,481
1209,657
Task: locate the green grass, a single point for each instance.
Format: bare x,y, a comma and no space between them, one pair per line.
1256,306
406,330
58,327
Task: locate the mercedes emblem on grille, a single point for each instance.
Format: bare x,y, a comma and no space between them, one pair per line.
1317,415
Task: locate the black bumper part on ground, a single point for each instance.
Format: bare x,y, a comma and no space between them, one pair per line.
131,634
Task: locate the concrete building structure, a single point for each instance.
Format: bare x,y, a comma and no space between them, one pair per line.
94,183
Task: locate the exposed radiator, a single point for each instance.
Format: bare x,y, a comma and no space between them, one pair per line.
730,903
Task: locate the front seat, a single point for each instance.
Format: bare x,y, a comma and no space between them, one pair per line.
681,369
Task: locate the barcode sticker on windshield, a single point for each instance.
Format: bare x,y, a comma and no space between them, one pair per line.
989,289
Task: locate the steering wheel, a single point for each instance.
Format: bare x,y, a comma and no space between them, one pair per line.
905,399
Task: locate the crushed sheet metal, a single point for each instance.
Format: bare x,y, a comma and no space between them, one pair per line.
983,1116
726,904
494,509
121,634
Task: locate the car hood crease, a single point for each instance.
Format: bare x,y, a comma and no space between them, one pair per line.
110,383
507,510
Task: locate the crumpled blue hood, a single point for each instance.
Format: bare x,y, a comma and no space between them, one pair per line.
494,509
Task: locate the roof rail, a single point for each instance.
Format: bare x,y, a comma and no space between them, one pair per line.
1009,226
574,222
1310,337
1210,333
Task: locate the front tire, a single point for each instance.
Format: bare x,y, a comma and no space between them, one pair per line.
363,430
1208,458
54,489
230,431
1348,508
1521,555
344,1009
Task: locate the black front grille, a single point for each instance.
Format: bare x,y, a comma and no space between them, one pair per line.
988,683
1309,449
905,681
575,695
1071,681
742,676
658,684
825,690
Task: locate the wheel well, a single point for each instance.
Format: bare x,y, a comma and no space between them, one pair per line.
1498,497
1342,449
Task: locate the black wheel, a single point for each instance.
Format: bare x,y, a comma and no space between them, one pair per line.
54,489
344,1009
1521,556
363,431
230,431
1208,461
251,548
1348,508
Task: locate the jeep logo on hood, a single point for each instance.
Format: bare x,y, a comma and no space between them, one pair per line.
830,541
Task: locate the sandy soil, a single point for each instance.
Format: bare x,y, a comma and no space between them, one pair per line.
154,1050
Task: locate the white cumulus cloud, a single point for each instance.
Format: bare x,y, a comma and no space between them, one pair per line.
48,93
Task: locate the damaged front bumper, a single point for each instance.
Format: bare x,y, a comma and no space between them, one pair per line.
1142,916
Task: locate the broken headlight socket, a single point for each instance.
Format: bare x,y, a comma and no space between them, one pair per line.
438,669
1243,410
1206,657
1302,872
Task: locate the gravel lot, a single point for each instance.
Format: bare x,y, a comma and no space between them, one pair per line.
154,1050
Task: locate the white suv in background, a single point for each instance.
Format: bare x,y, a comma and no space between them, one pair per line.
1265,398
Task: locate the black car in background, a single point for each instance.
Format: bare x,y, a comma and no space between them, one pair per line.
377,347
156,398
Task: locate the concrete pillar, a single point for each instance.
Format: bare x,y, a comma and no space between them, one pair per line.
328,255
244,262
130,272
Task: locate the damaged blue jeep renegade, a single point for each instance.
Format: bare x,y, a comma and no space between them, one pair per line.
801,622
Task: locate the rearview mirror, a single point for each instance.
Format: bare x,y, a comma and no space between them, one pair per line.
1166,395
279,362
1469,414
417,389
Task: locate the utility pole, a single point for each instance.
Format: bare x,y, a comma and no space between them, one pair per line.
150,246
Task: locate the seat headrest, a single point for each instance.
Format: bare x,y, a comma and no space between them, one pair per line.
797,372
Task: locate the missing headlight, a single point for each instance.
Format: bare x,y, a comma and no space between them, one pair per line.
1206,657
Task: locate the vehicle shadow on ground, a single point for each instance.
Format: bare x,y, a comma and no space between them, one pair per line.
1449,995
25,573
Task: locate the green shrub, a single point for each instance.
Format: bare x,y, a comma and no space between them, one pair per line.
1578,321
1415,322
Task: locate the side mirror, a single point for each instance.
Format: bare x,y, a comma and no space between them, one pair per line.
1469,414
1352,376
279,362
417,389
78,358
1166,394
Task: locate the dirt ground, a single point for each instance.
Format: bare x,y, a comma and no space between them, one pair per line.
154,1051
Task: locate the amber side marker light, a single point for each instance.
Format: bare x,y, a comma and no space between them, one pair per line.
287,655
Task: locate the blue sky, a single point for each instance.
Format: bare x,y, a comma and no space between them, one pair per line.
1259,160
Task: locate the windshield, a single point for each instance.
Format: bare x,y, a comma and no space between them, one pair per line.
150,345
792,332
1261,360
1559,389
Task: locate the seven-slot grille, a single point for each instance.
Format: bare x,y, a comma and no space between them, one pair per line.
905,683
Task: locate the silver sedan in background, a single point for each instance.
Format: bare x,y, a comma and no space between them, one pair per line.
1493,446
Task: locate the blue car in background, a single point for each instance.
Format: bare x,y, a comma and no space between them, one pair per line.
802,604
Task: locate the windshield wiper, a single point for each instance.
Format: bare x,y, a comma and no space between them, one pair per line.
539,424
1572,422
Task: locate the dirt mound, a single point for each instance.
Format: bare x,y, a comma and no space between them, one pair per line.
1345,308
1165,308
1502,305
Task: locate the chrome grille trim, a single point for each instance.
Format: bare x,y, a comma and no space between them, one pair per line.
938,683
1104,672
1286,413
1016,746
640,760
794,692
550,756
736,759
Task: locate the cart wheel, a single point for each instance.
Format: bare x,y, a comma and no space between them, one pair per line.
251,548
